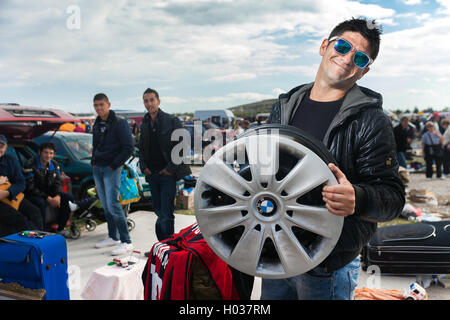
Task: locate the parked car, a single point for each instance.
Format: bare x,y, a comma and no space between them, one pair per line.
221,117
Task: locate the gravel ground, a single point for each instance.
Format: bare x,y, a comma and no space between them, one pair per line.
439,188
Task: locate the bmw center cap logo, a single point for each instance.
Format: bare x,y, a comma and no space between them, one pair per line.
266,206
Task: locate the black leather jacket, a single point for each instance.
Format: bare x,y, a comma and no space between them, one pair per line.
361,140
167,124
42,182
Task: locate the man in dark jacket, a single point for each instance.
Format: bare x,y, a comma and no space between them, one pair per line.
112,145
403,136
43,186
155,149
349,120
12,185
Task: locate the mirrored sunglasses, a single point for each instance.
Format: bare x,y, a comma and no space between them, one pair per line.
343,47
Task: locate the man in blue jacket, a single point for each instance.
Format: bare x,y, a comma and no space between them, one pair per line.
27,217
112,145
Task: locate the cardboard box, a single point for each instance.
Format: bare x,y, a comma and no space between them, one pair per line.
180,186
185,202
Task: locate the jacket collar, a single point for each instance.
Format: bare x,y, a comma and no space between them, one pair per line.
356,99
111,117
39,164
159,116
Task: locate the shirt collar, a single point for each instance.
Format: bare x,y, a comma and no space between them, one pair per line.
39,164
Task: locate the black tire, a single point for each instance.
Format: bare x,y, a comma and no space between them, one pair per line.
75,232
91,225
131,225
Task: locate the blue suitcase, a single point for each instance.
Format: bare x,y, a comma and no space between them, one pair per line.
36,260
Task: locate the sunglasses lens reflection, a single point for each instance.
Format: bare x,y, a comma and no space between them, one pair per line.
361,59
342,46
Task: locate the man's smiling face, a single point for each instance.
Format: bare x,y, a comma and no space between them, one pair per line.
338,69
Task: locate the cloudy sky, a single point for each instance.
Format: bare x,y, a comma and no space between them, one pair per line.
202,54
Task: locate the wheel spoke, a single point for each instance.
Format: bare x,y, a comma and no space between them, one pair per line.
305,176
315,219
248,249
290,251
217,220
262,152
223,178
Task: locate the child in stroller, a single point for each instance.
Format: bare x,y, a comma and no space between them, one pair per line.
90,208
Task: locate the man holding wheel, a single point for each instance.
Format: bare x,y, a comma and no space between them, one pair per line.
349,120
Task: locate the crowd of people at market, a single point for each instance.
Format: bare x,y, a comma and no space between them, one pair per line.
434,136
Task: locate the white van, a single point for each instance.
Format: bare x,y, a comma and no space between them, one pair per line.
221,117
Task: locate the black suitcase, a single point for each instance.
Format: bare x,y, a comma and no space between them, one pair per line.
418,248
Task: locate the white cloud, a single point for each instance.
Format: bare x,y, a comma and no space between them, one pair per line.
235,77
278,91
125,40
252,96
173,100
445,6
414,52
411,2
421,92
51,61
168,44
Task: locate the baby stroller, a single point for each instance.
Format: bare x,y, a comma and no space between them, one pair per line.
91,208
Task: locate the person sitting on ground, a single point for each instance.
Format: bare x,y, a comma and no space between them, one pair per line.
44,188
12,183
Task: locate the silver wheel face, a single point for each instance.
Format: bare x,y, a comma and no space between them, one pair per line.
255,207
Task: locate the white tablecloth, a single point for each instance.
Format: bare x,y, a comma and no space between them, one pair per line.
116,283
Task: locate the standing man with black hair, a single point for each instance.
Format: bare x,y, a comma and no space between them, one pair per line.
155,148
403,137
349,120
112,145
44,188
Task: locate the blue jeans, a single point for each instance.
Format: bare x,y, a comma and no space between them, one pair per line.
314,285
107,182
163,190
401,158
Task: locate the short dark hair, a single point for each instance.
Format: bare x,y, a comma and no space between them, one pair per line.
369,29
101,96
150,90
47,145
